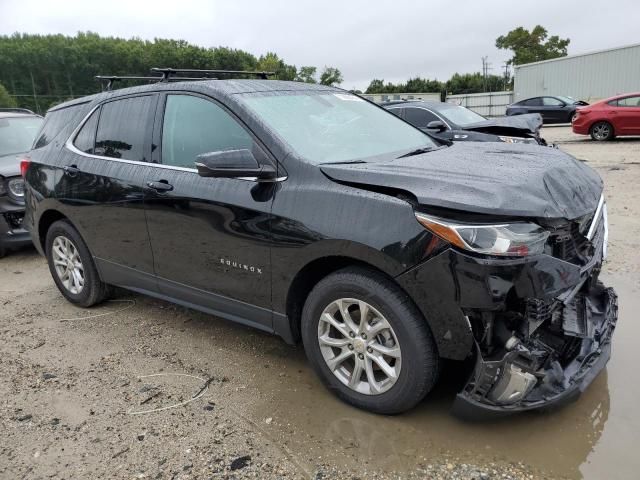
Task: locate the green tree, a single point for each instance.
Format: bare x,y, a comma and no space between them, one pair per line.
307,75
375,86
6,101
532,46
272,63
330,76
474,83
413,85
48,69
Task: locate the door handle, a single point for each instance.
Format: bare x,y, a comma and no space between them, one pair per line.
71,170
160,186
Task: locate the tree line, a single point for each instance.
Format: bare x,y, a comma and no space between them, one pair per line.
458,83
39,71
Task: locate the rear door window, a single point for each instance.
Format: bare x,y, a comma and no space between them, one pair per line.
533,102
629,102
124,128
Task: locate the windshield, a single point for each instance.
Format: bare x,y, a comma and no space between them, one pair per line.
459,115
334,127
17,134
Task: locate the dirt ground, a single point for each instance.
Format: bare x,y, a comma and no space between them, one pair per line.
139,388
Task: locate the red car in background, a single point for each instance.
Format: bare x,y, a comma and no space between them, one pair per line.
612,117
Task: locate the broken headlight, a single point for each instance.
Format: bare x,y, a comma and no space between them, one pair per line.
517,239
516,139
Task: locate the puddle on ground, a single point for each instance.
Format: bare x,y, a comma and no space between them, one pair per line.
594,438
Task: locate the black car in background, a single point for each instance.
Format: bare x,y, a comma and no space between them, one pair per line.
452,122
305,211
18,128
554,109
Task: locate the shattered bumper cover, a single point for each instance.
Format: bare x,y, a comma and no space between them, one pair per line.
518,381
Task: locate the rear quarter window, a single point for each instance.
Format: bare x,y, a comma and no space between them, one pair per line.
56,121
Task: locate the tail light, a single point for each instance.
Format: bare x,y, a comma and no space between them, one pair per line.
24,166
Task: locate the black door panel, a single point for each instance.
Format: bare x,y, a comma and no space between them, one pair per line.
103,194
104,200
210,235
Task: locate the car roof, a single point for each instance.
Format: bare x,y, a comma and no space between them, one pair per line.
219,88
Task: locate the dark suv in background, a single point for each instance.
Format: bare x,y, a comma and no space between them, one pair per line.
18,128
305,211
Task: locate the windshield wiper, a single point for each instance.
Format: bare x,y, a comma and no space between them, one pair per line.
417,151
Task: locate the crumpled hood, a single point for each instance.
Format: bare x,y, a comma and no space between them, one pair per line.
528,124
10,165
486,178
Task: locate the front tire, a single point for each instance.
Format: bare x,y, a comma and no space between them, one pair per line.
72,267
601,131
368,342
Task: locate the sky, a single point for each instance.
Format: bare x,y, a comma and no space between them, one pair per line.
388,40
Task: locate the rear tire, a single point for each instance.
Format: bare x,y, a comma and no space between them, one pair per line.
397,363
72,267
601,131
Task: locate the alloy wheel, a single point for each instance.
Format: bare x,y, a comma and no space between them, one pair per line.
359,346
601,131
67,264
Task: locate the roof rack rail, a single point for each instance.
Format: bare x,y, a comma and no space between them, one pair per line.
168,72
16,110
110,79
175,75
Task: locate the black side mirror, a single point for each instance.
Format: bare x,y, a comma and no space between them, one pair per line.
233,164
436,125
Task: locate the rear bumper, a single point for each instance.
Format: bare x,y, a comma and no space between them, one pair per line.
581,126
591,318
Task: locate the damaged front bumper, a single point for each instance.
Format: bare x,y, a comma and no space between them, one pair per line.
550,368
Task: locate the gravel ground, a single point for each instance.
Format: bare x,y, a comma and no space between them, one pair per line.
138,388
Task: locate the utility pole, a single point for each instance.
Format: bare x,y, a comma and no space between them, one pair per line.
33,87
507,74
486,66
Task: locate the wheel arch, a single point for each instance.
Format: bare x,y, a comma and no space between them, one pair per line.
312,273
48,218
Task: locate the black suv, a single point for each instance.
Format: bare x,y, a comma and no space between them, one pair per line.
308,212
18,128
